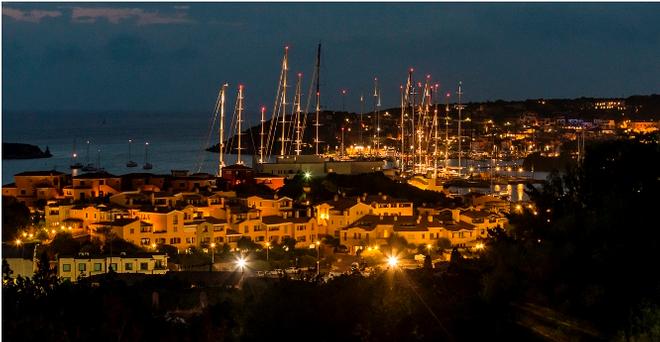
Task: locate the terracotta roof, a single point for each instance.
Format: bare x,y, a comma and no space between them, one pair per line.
274,219
40,173
95,175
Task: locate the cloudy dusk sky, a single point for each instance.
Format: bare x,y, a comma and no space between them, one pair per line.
173,57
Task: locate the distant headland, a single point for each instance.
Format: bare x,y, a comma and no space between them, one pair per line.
23,151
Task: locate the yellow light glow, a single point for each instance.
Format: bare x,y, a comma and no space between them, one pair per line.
18,242
479,246
212,244
392,261
241,263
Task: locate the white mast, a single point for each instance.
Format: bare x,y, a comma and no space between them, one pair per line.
377,114
318,98
447,134
286,70
403,145
239,120
435,136
261,145
460,109
221,131
298,113
361,114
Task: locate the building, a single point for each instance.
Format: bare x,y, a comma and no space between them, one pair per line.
32,186
334,215
84,265
92,185
21,258
237,174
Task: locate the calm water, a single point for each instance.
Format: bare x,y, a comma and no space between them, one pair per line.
176,141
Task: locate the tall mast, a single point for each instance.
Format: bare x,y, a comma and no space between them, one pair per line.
87,152
413,93
298,113
360,125
129,149
318,98
447,133
377,114
460,110
239,120
403,145
285,66
261,135
435,135
221,130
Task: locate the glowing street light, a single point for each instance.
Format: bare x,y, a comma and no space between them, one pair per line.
267,249
392,261
307,175
241,263
18,242
479,246
212,245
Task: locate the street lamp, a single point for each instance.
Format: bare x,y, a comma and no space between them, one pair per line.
212,255
428,247
318,258
479,246
241,263
267,249
392,261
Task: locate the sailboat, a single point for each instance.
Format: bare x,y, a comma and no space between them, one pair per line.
75,164
89,167
98,162
130,162
147,165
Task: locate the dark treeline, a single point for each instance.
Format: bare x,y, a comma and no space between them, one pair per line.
581,263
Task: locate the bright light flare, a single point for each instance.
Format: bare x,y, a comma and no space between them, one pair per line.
392,261
241,263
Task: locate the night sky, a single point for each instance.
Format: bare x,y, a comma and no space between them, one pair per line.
173,57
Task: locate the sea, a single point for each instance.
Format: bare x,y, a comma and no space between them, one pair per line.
177,141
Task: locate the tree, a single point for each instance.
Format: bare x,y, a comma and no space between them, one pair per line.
443,243
289,242
428,264
397,243
6,271
63,244
15,215
245,243
45,278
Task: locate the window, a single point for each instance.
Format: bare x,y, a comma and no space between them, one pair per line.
144,266
132,231
66,267
82,267
219,239
113,266
174,241
145,241
97,267
128,266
